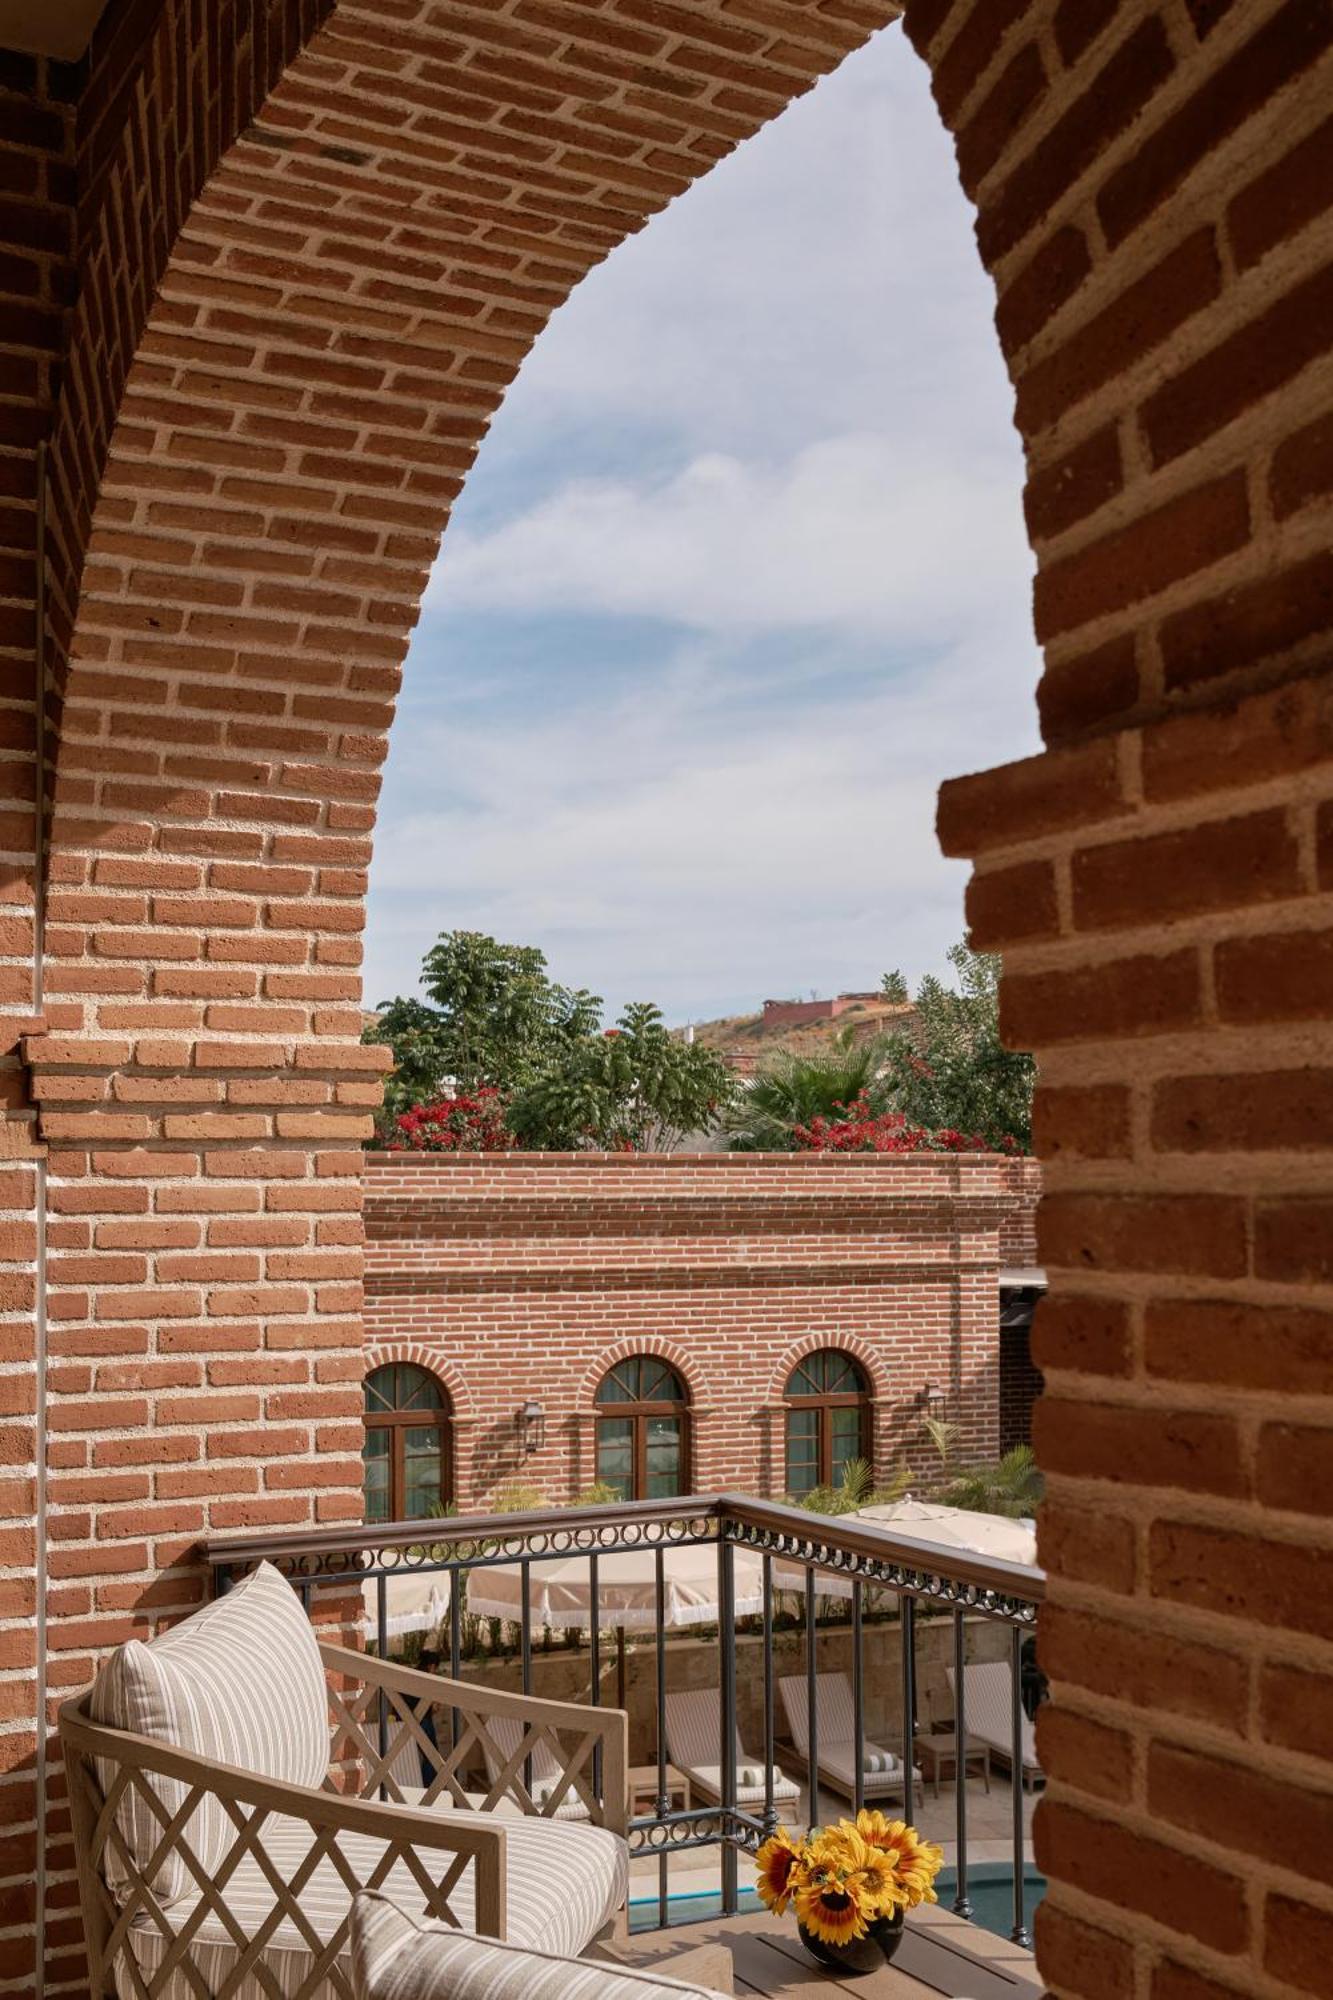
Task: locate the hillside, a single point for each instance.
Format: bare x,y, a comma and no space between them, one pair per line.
746,1040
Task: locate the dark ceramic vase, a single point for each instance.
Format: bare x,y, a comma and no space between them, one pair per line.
864,1954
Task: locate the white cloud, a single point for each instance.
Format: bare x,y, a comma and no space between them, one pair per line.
778,421
854,532
820,279
691,843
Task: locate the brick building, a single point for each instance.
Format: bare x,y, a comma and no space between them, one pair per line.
517,1279
796,1013
267,268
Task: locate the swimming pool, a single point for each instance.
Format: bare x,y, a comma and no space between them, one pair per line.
990,1888
695,1907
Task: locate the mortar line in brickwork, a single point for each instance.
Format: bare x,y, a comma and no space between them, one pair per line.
39,1276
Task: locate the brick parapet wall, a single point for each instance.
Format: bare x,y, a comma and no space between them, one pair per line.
517,1275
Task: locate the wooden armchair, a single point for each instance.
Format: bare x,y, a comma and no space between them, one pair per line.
203,1873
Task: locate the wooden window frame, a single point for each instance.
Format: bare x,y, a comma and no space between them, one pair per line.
640,1414
825,1404
398,1423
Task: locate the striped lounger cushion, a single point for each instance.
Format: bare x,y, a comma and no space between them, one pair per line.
195,1688
398,1956
563,1883
693,1718
835,1714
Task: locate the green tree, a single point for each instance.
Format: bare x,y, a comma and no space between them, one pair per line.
636,1088
791,1089
953,1070
493,1016
893,986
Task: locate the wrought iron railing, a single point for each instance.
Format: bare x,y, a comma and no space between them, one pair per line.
799,1556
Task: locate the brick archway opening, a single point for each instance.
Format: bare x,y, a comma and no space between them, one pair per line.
289,271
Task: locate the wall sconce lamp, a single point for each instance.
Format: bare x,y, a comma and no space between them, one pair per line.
531,1426
932,1399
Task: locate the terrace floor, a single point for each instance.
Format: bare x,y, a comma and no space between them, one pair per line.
940,1955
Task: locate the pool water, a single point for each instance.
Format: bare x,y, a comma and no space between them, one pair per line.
696,1908
990,1888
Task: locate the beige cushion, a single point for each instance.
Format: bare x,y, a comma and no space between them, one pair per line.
240,1682
398,1956
563,1883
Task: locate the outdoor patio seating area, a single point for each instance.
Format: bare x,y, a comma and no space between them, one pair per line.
240,1785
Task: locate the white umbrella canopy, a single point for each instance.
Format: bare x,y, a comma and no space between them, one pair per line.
934,1526
560,1590
956,1528
416,1601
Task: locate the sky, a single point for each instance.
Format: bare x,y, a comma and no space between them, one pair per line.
738,578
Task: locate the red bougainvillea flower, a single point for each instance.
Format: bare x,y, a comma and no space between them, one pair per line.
889,1132
468,1123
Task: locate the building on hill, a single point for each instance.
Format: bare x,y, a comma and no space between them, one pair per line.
801,1027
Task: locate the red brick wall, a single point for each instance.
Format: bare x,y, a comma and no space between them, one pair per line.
1020,1386
270,406
1018,1225
517,1275
1152,187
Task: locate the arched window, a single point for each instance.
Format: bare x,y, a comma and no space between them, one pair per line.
828,1419
408,1470
643,1430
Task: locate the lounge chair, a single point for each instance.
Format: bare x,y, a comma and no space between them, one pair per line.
222,1826
694,1736
988,1700
881,1769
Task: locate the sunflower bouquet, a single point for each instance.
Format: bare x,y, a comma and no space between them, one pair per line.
851,1884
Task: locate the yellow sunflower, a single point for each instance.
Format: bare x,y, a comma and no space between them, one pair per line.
781,1866
877,1883
915,1862
830,1912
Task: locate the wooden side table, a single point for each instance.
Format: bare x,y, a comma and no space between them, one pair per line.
643,1789
938,1756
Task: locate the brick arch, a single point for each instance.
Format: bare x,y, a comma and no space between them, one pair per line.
686,1365
845,1343
462,1407
364,265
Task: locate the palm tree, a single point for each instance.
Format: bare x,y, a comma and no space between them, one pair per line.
791,1089
1012,1486
855,1489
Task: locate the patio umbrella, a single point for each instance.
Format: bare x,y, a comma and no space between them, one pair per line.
416,1601
560,1592
934,1526
956,1528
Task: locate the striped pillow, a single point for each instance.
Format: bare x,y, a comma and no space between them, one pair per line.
399,1955
240,1682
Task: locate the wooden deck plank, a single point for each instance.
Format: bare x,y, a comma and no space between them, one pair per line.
946,1959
